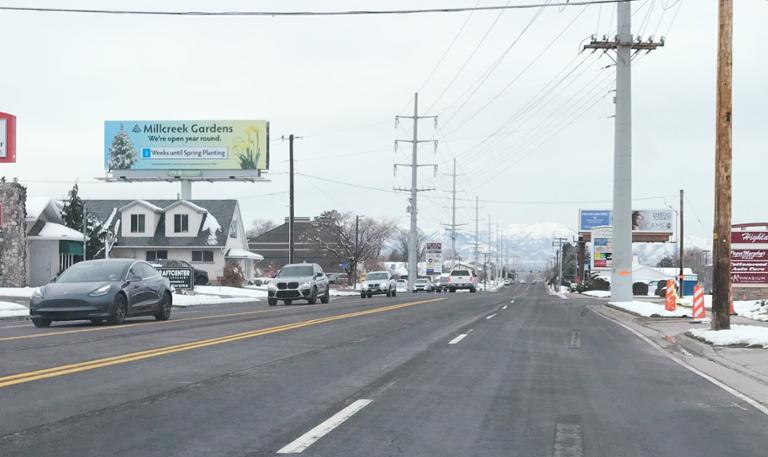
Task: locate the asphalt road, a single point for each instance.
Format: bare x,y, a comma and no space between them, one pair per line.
510,373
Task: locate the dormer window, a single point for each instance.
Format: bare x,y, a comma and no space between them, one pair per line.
233,229
138,223
180,223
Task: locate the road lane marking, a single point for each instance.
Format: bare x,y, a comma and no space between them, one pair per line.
20,378
458,338
504,307
568,441
308,439
491,316
752,402
511,301
575,342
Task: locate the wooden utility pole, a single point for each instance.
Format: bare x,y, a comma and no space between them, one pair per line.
290,201
721,274
681,276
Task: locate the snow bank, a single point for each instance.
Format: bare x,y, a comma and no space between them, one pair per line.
650,309
738,335
23,292
251,292
12,310
752,309
598,293
196,300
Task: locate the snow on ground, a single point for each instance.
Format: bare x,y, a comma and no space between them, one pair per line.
751,309
746,335
22,292
253,292
196,300
598,293
650,309
12,310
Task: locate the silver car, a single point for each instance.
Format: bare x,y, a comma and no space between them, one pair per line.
299,281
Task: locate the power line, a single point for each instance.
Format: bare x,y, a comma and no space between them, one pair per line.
306,13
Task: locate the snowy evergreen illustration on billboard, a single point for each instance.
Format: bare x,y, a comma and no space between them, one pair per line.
186,145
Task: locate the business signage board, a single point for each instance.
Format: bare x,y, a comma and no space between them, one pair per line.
602,248
643,220
7,138
749,258
184,147
434,256
180,277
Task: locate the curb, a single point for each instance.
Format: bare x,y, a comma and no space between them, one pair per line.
653,316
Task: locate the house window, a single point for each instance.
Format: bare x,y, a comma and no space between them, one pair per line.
153,256
233,229
180,223
137,223
202,256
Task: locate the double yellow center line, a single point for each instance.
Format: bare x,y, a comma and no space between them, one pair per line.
62,370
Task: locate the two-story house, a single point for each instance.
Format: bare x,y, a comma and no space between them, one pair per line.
206,233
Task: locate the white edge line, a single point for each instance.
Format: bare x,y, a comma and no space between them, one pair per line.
754,403
511,301
491,316
306,440
458,338
504,307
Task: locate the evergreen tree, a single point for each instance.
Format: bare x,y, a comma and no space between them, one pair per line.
72,215
122,154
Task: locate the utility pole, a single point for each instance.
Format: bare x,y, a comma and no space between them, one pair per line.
291,137
558,242
85,232
413,247
623,44
357,241
721,273
453,223
489,240
477,230
682,249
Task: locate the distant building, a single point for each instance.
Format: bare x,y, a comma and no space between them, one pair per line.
206,233
273,246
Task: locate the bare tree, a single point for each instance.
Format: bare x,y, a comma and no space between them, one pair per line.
336,234
401,244
260,226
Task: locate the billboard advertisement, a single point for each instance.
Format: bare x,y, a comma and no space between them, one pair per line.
749,258
602,248
434,256
186,145
643,220
7,138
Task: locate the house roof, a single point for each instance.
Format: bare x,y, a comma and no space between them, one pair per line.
38,206
144,203
53,231
219,213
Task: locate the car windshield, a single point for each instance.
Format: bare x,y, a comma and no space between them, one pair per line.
377,276
421,281
94,272
295,270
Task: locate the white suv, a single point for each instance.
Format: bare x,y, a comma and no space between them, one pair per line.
379,282
462,279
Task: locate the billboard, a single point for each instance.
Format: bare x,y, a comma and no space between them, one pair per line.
602,248
170,146
7,138
749,258
643,220
434,256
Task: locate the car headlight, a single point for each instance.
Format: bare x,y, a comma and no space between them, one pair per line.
38,293
271,286
103,290
306,284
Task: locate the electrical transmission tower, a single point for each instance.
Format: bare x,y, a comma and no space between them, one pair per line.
413,246
453,223
624,45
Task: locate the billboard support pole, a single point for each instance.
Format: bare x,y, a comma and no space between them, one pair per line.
186,189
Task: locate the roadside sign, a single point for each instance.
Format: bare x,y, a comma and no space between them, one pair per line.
602,248
749,258
180,277
434,256
7,138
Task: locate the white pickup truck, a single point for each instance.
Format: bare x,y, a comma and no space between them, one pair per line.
462,279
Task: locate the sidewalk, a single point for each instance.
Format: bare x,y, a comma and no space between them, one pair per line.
743,369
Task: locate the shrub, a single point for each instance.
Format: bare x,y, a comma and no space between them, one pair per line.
233,275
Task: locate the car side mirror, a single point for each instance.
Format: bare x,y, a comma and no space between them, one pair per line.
319,275
53,279
133,277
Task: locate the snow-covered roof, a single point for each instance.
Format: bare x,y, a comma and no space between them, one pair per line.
143,203
212,226
187,203
243,254
36,206
53,231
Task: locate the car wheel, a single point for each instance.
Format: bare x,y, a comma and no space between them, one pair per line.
363,295
165,308
452,290
394,292
472,290
288,302
370,295
272,301
41,322
313,297
119,311
389,292
326,296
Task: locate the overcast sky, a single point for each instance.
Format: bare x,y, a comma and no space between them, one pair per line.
339,81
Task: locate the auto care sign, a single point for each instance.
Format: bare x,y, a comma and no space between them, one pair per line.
434,256
749,258
602,248
7,138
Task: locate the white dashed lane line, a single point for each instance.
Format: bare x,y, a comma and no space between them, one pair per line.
504,307
308,439
491,316
458,338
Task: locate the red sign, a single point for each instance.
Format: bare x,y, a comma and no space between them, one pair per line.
749,267
749,278
749,237
748,255
7,138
